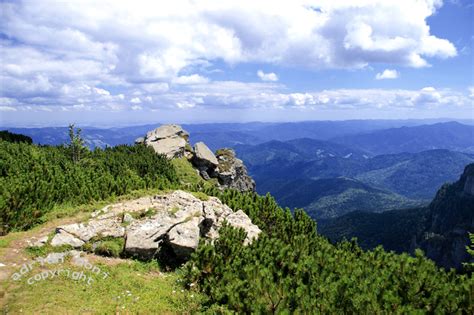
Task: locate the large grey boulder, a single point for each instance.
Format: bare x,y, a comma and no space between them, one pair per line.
204,156
240,220
184,238
173,142
166,131
170,140
171,147
144,237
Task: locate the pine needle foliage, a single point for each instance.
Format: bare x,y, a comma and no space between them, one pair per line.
291,269
33,179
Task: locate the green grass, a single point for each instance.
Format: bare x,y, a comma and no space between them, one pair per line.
185,171
6,240
133,287
43,251
200,195
112,247
174,210
138,215
68,210
189,177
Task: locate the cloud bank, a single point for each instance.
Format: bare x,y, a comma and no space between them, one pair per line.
136,55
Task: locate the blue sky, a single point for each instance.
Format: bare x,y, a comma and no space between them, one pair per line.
111,62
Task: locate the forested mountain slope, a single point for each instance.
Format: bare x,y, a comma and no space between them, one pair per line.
333,197
441,229
378,183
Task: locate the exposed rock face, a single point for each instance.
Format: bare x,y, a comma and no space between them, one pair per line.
469,185
169,140
173,141
174,223
231,172
451,218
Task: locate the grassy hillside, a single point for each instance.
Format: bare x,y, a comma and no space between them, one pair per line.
131,286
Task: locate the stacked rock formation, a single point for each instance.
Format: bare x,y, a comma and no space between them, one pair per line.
173,141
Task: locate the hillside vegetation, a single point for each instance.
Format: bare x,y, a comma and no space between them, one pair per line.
330,180
34,179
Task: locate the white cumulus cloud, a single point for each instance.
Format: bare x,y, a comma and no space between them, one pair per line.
387,74
267,76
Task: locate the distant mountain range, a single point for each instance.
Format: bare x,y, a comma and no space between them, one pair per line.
449,135
218,135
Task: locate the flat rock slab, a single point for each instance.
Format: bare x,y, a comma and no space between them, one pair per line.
64,238
95,228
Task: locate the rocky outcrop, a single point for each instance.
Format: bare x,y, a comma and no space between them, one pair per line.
63,238
173,141
173,224
231,172
170,140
